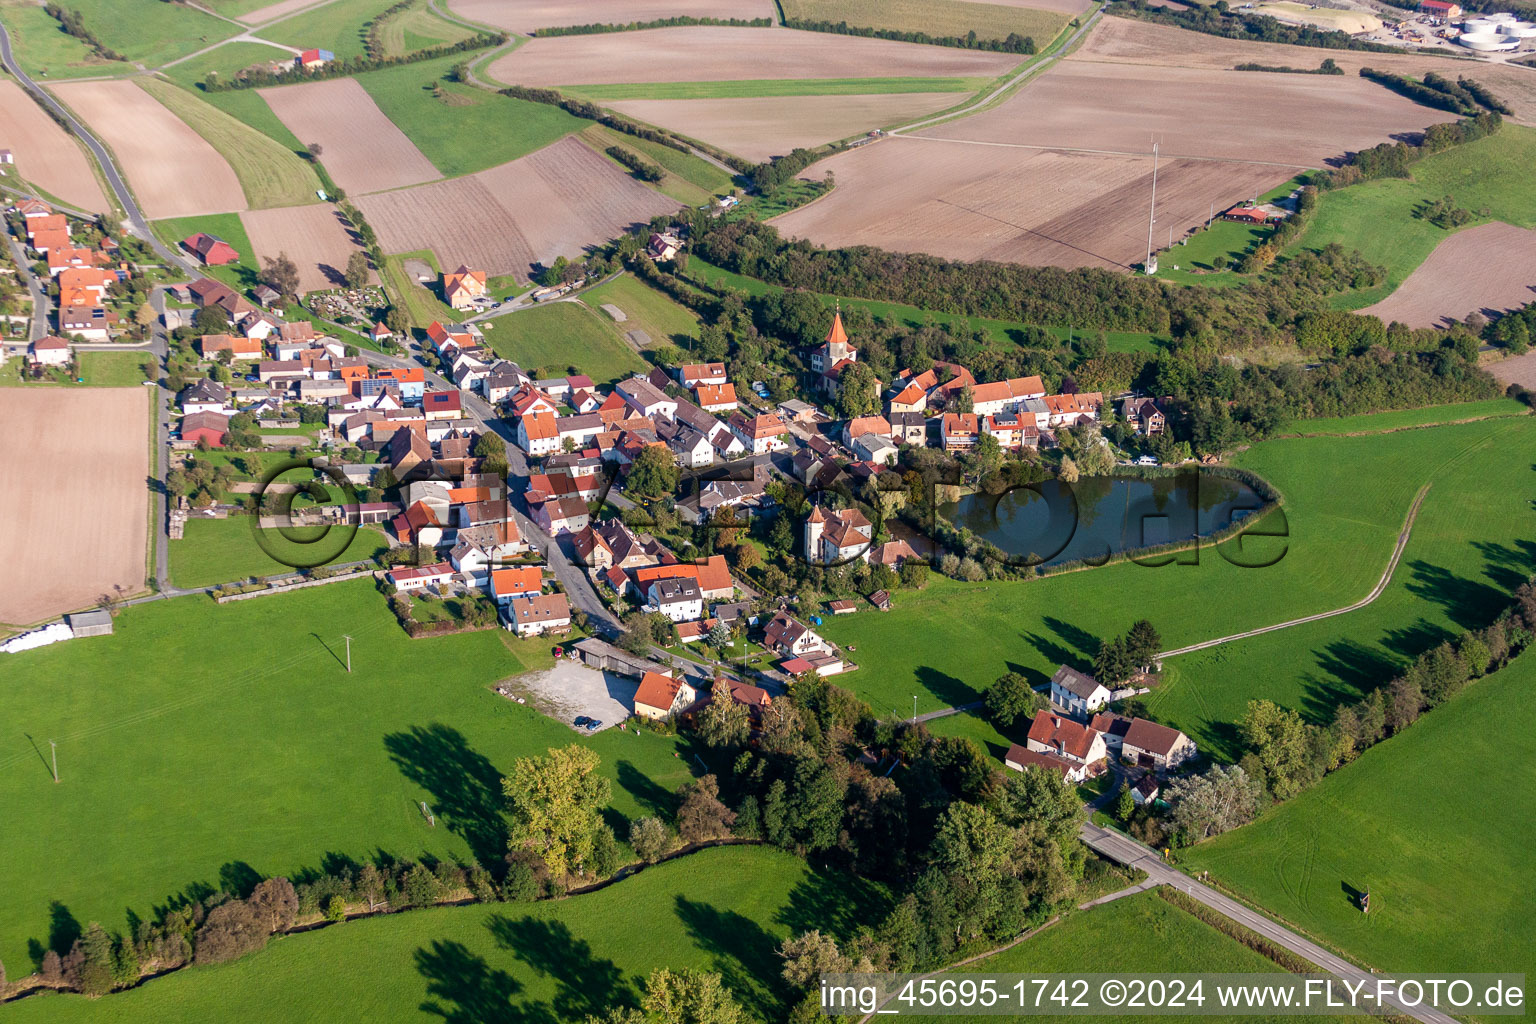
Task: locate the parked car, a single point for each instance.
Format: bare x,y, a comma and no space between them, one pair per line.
594,724
253,378
581,720
1147,460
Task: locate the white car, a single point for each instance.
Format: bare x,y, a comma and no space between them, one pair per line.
1147,460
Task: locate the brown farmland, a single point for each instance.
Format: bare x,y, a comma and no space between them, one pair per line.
1128,41
531,210
528,16
360,147
45,154
760,127
1294,120
173,170
84,533
1490,269
1516,370
709,54
1059,6
1036,206
312,236
278,10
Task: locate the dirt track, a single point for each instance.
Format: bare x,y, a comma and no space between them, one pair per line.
1490,269
531,15
760,127
173,171
313,236
709,54
533,209
360,147
45,154
75,505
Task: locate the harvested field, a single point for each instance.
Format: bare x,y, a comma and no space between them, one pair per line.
1326,18
935,17
314,237
1033,206
1060,6
46,155
971,189
87,533
760,127
1305,119
531,210
278,10
360,147
1490,268
707,54
530,15
141,133
1128,41
1516,370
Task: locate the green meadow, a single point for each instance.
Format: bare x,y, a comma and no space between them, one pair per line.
216,551
151,32
1432,822
201,738
558,335
42,48
645,309
1345,502
724,910
240,274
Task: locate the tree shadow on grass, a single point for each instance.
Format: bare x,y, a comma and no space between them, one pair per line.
1507,566
587,986
646,791
835,902
465,989
945,687
742,951
238,879
465,786
1467,602
1084,643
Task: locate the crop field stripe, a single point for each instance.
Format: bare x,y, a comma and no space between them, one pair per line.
773,87
1104,152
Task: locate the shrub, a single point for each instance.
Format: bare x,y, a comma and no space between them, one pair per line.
230,931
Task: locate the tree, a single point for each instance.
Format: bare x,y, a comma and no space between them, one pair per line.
396,320
970,838
210,320
92,955
1279,740
702,816
653,474
281,274
719,635
650,838
966,400
1143,643
555,803
231,929
1209,804
1111,664
857,391
1011,698
1068,472
723,722
1125,804
357,270
314,149
275,904
808,956
690,997
145,316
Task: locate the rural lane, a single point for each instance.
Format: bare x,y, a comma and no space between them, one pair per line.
39,328
1381,585
125,198
1127,851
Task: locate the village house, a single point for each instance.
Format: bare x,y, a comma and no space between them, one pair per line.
536,616
1019,758
908,428
418,525
660,696
414,577
556,516
49,351
876,449
1143,415
678,598
608,543
759,434
523,581
716,397
959,431
1005,395
204,396
313,58
1077,693
790,637
645,398
1012,433
1070,410
663,246
208,428
861,425
836,536
209,346
477,549
1145,791
1156,746
691,375
463,286
442,405
1051,733
1112,727
501,380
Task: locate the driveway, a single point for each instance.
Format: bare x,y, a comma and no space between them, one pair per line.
571,689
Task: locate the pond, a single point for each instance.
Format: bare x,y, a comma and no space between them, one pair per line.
1055,522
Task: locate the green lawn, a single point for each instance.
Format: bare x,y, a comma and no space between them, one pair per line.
935,17
247,105
224,550
680,183
562,334
418,28
270,174
472,130
240,274
1428,416
1001,333
224,61
1143,933
42,48
1345,503
201,736
421,305
115,369
152,32
1376,217
646,309
1429,821
772,87
723,910
337,27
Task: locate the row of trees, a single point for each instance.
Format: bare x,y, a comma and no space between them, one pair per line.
72,23
263,75
644,170
1014,43
1393,159
1219,20
1329,66
602,28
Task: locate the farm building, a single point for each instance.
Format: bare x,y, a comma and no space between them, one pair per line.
209,427
97,623
1246,214
462,287
314,58
1440,9
6,157
212,250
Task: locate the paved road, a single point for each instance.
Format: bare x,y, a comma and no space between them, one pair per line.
163,401
1127,851
136,222
1381,585
40,305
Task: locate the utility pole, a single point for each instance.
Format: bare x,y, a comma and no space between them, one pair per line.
349,654
1150,266
54,749
914,708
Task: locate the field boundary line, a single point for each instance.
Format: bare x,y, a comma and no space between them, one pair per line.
1381,586
1409,426
1104,152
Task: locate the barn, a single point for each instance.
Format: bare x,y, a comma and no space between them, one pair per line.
212,250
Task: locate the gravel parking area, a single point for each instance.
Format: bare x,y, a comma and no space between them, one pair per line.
571,689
